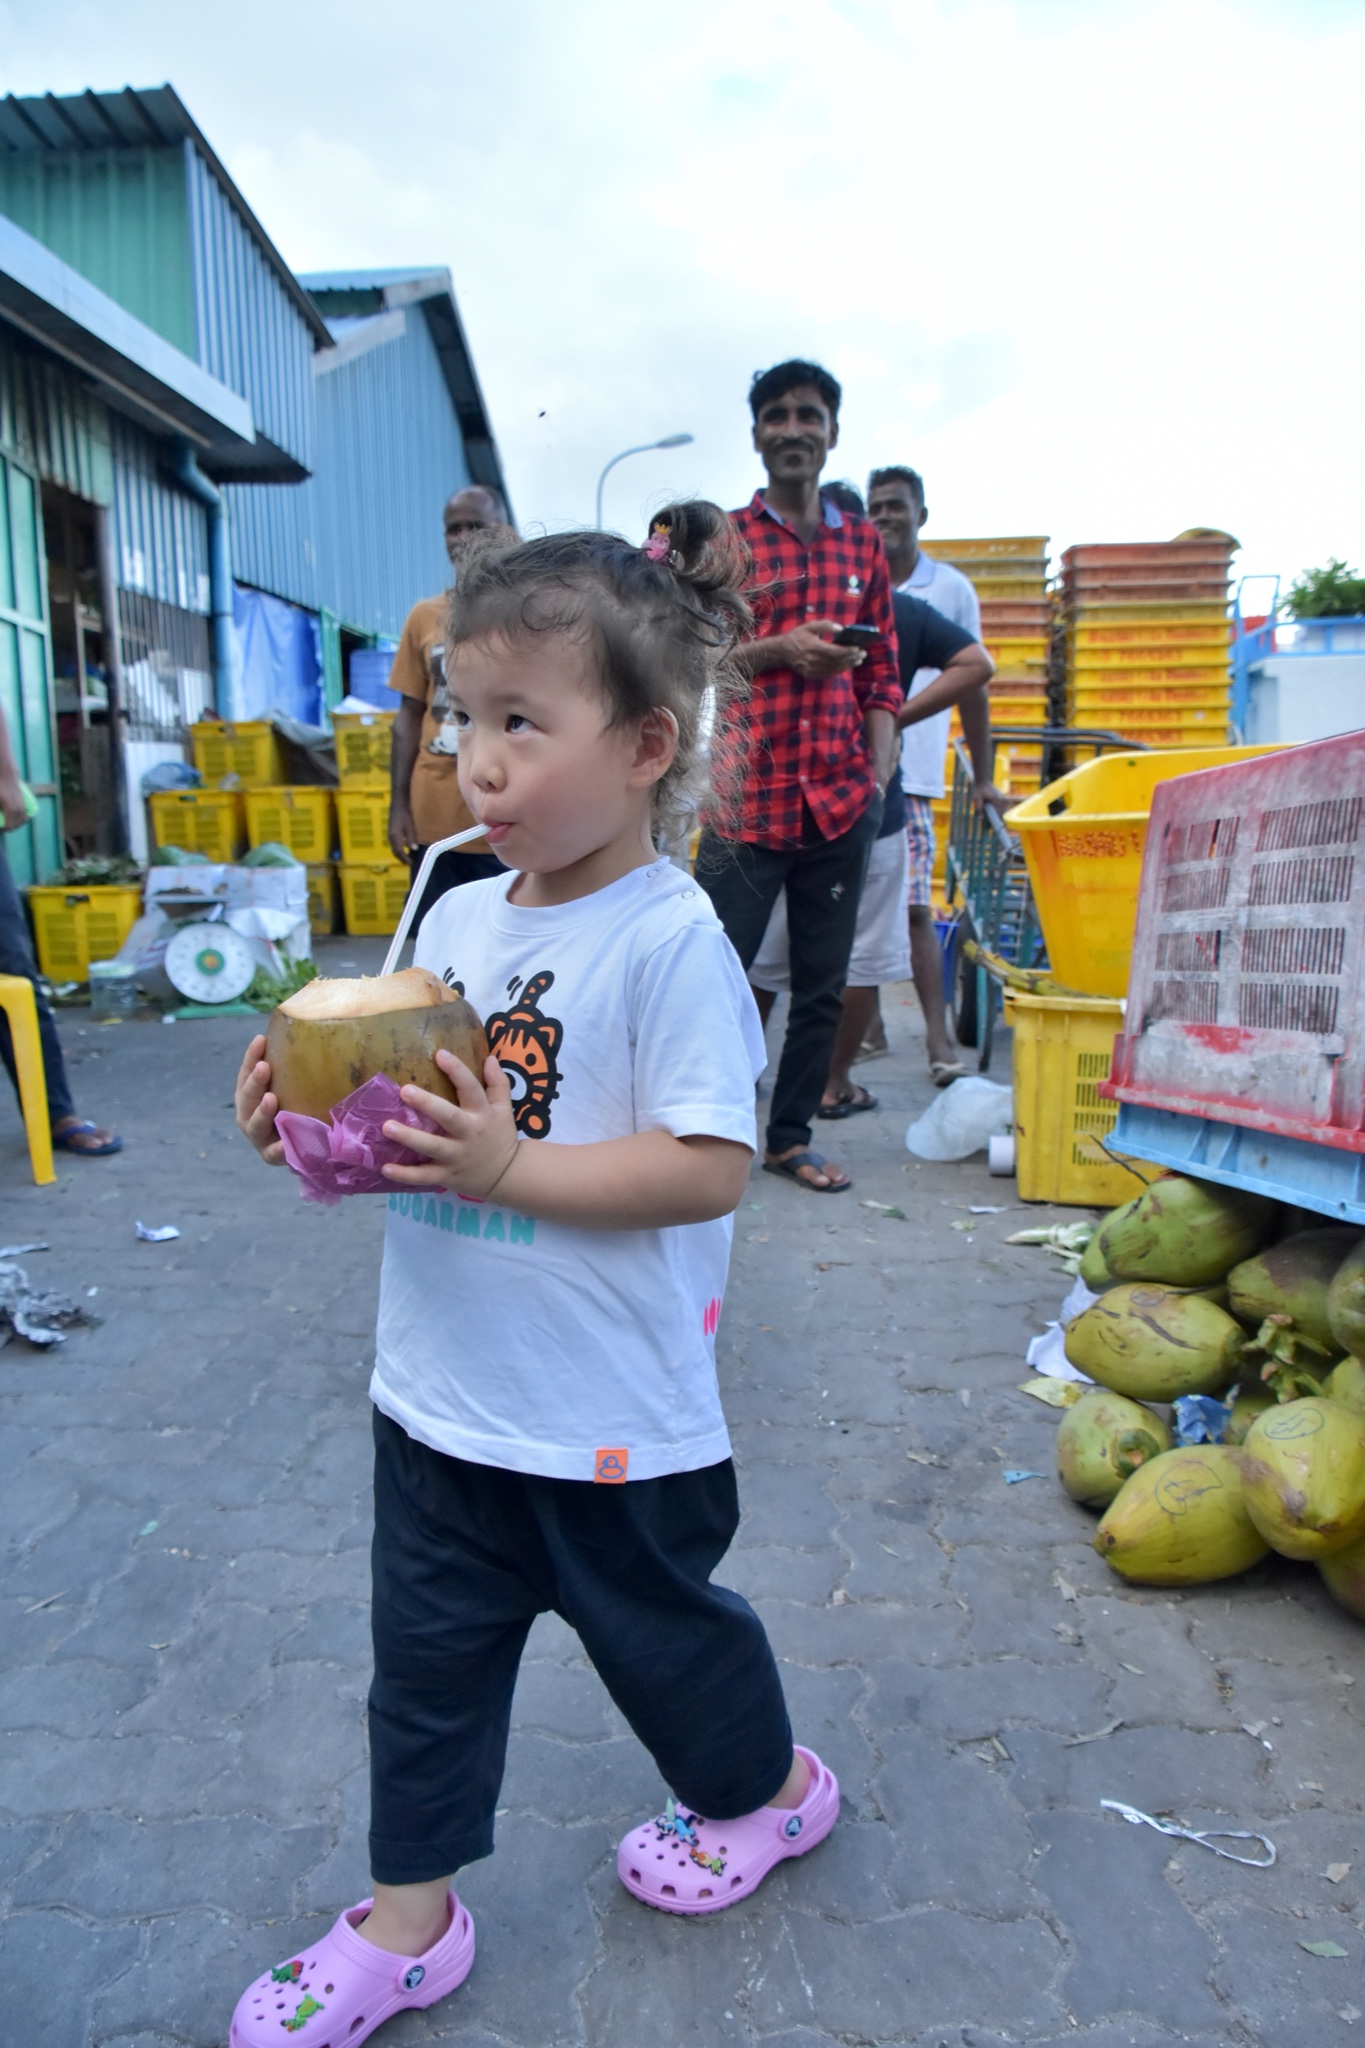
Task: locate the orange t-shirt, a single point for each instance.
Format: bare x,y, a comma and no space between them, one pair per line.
438,808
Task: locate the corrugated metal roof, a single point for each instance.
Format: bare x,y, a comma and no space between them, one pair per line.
135,369
249,332
343,293
147,118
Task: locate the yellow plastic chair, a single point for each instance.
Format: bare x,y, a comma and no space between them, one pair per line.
17,1002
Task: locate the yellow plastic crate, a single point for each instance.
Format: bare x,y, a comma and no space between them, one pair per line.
323,896
997,589
1146,612
1150,653
363,825
72,927
1112,646
373,895
207,821
1150,675
364,743
1195,732
1062,1051
250,751
1159,704
1084,857
299,818
1006,547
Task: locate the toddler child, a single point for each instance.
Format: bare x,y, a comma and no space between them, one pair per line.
547,1424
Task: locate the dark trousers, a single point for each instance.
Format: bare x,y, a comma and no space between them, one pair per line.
451,870
16,957
823,879
465,1557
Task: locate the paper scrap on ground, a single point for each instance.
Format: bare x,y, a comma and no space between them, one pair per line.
1013,1478
41,1318
1206,1838
1077,1302
161,1234
16,1251
1047,1354
1057,1393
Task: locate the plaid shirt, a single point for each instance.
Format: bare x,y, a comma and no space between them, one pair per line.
795,736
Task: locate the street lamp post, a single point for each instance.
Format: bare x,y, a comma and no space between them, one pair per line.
668,441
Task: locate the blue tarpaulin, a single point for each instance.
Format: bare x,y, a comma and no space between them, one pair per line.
279,653
368,676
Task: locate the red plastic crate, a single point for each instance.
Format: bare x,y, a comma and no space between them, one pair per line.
1246,1000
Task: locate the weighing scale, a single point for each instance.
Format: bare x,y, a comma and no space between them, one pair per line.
213,967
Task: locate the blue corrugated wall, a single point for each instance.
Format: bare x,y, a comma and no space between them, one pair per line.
363,536
272,541
250,335
160,534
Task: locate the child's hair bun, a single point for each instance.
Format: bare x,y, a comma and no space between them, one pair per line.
707,552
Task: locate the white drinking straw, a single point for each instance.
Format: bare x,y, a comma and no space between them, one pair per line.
429,859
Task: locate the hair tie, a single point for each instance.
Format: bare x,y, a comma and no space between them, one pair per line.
659,546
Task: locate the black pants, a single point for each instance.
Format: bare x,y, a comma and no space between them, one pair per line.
16,957
465,1557
451,870
823,879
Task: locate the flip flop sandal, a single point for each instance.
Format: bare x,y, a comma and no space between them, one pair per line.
867,1051
337,1992
847,1105
944,1072
684,1864
62,1141
787,1169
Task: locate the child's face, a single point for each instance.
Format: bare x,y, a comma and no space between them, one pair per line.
539,766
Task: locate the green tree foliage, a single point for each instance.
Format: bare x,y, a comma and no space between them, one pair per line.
1335,592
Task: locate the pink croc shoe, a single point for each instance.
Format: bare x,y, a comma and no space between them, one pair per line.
684,1864
334,1994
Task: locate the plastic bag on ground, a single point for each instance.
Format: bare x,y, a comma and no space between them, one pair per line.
961,1119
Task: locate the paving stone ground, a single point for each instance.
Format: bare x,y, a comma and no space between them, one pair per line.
184,1505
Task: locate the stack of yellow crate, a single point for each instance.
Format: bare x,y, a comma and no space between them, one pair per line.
1147,639
1010,577
374,885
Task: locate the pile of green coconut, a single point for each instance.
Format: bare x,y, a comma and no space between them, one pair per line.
1207,1290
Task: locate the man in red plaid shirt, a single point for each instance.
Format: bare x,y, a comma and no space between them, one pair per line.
804,760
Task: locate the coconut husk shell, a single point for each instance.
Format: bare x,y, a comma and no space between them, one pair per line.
1156,1343
1181,1520
1303,1465
1184,1233
334,1035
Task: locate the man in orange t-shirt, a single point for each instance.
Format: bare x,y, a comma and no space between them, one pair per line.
425,803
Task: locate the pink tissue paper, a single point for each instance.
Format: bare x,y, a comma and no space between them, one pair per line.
345,1156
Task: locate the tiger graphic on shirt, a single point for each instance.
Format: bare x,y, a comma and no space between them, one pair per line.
526,1045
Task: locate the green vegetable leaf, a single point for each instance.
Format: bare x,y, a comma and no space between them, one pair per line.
1323,1948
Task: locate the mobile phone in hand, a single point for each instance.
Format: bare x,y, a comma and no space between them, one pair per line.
865,637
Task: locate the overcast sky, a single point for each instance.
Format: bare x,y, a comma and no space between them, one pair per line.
1093,267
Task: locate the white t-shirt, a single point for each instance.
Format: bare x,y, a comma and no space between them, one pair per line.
924,746
535,1346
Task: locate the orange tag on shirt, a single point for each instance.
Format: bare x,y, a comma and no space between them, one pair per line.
610,1467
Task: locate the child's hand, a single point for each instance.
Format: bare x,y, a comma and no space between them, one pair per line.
256,1106
477,1141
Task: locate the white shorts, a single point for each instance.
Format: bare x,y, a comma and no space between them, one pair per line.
881,943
